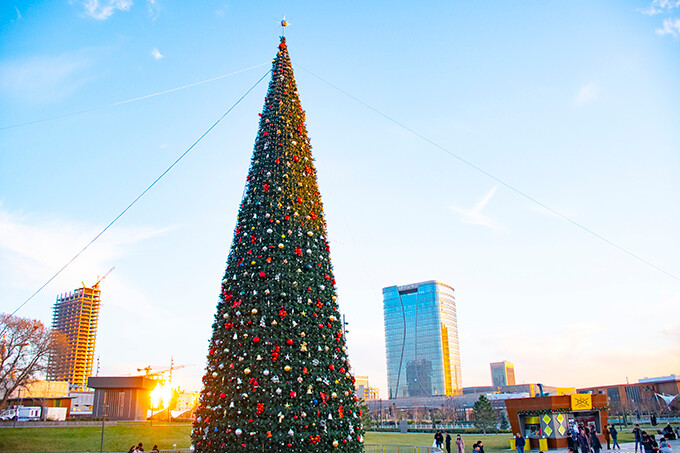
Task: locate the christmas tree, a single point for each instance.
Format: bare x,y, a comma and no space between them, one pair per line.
277,377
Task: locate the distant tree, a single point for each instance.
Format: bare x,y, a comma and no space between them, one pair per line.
485,415
25,345
504,422
366,418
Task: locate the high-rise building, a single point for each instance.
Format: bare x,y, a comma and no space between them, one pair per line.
75,316
502,374
421,336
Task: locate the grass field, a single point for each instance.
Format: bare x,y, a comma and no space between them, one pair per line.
120,438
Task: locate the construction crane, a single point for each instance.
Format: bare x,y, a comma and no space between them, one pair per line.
101,279
161,370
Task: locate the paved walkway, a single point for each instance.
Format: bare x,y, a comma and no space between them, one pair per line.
627,447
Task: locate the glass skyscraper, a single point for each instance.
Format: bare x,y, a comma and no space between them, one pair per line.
421,336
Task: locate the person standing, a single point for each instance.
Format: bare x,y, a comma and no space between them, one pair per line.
460,444
605,431
438,439
595,443
638,437
663,446
645,442
615,434
480,444
519,443
448,443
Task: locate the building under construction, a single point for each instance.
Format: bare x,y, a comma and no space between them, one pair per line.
75,316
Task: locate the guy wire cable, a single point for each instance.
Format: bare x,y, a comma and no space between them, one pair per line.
495,178
127,101
143,192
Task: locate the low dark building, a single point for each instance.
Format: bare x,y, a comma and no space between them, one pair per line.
121,397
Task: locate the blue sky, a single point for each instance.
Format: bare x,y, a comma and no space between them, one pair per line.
575,104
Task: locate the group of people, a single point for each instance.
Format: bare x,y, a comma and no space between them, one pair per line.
444,440
648,443
139,448
584,438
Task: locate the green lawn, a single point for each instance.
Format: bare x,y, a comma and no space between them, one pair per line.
120,438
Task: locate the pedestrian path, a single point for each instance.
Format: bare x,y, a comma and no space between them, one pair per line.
626,447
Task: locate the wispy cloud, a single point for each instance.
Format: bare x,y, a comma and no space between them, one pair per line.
474,216
105,9
222,10
671,26
153,7
43,78
156,54
586,94
660,6
34,248
18,13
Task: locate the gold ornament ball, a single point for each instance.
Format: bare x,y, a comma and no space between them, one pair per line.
335,443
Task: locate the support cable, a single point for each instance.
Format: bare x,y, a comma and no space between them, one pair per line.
143,193
495,178
66,115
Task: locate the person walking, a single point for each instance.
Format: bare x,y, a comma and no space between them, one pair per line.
447,442
615,434
519,443
460,444
583,441
595,443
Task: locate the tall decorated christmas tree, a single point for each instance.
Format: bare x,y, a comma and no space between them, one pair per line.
277,377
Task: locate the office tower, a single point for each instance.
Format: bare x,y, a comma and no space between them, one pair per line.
421,336
75,316
502,374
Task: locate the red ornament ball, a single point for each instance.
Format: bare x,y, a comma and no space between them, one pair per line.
289,342
262,274
256,339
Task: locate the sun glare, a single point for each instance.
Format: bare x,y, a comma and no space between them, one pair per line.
161,395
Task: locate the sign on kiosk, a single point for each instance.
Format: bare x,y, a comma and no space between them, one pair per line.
581,402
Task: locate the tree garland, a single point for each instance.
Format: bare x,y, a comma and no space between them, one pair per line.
562,410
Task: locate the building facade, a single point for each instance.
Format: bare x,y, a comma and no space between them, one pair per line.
421,336
122,397
502,374
75,316
643,396
363,390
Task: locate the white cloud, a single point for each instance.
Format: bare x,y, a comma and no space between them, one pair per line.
156,54
44,78
105,9
18,13
33,249
660,6
586,94
474,216
671,26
